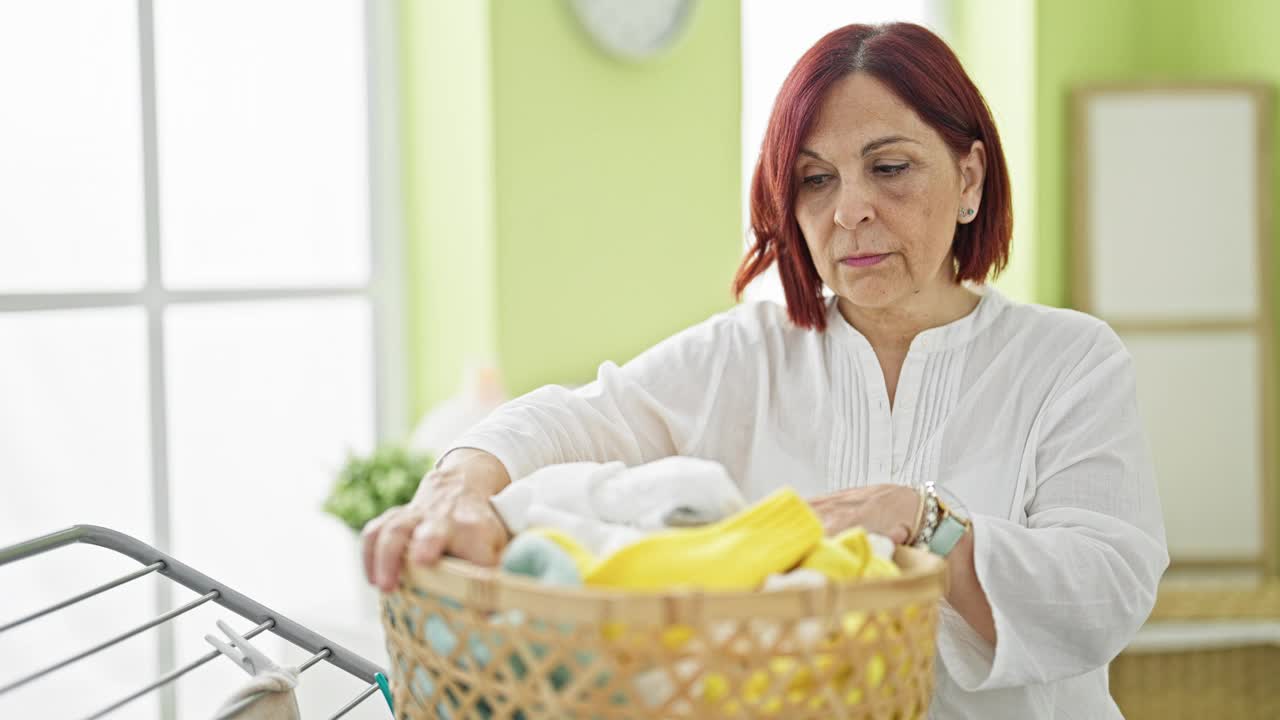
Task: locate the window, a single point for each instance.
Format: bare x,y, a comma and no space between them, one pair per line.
774,36
198,320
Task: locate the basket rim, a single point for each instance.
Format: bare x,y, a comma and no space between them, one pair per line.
486,589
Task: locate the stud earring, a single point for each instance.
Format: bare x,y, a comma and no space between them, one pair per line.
967,212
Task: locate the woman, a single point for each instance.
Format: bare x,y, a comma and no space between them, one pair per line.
881,179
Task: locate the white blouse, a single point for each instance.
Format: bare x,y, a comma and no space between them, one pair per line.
1027,414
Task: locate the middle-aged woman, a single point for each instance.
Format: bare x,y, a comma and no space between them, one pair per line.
881,179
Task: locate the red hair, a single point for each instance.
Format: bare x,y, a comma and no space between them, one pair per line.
926,75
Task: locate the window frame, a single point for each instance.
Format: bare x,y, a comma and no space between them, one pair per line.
384,289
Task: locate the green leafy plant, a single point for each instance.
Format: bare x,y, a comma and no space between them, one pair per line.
368,485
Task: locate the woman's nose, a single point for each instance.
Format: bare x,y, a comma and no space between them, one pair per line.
852,206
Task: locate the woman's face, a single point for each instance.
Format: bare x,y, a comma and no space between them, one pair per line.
879,195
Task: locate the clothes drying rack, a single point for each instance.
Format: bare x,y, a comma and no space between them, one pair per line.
154,561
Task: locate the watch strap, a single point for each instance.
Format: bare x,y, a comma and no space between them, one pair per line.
947,534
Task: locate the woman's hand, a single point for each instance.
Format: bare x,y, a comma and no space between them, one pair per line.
885,509
450,513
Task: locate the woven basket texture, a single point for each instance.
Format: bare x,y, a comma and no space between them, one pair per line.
469,642
1221,682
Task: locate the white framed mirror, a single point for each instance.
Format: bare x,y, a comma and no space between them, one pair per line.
1171,236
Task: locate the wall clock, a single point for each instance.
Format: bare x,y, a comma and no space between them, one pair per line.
633,29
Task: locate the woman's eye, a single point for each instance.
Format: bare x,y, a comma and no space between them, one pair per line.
891,170
816,180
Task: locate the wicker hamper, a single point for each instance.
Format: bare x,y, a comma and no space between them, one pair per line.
1241,682
469,642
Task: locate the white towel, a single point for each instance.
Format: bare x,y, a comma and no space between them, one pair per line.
598,537
607,505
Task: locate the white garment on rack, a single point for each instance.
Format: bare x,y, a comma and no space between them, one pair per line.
269,694
272,698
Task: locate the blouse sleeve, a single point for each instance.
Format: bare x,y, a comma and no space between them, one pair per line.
658,405
1070,589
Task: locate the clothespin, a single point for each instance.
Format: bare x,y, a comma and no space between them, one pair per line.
242,653
385,687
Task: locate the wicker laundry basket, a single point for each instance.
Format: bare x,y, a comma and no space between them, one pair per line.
1241,681
469,642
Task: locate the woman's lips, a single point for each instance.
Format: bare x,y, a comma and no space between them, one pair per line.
863,260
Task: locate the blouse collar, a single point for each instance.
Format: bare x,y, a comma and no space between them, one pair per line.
944,337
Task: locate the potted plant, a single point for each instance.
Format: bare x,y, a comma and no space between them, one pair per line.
368,485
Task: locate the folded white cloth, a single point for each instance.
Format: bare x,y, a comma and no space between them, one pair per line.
881,545
269,695
801,578
607,505
598,537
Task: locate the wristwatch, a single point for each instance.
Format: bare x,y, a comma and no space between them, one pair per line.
942,524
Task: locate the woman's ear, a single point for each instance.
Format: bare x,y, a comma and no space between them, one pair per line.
973,171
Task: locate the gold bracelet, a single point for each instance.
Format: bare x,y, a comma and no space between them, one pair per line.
919,524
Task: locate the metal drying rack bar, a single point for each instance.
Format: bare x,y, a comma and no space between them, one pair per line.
208,589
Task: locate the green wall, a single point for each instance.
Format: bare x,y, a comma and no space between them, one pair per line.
564,208
617,188
1025,56
1082,41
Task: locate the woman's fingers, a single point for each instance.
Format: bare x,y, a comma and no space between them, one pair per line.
430,540
393,538
450,513
478,534
888,510
839,512
467,528
369,543
900,534
474,548
478,543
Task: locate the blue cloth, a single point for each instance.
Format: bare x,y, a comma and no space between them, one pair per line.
542,559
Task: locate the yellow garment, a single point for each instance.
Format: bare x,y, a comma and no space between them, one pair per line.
737,553
848,556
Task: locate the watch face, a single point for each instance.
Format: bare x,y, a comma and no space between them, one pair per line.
633,29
